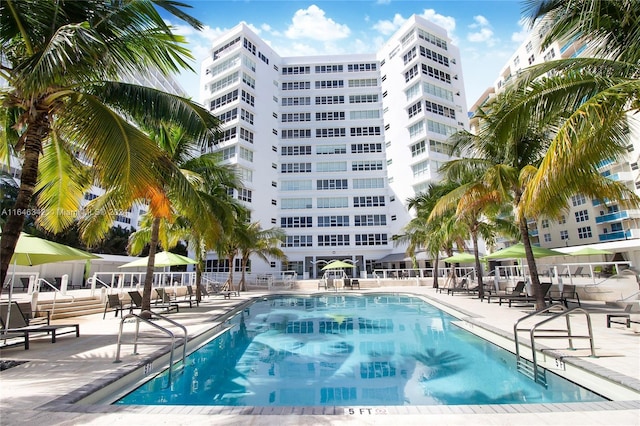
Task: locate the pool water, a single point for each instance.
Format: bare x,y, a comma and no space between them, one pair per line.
349,350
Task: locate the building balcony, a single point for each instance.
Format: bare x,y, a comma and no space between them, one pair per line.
611,236
612,217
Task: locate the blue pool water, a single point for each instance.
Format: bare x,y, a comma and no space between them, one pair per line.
379,349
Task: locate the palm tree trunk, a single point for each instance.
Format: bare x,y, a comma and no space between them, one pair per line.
241,286
36,132
230,279
435,270
531,262
148,280
476,254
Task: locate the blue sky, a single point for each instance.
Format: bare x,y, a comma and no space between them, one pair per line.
486,31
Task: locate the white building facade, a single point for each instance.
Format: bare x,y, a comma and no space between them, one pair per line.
329,148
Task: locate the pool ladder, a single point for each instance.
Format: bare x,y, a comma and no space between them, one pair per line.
531,368
136,339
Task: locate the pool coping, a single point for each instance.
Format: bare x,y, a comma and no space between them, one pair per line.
71,401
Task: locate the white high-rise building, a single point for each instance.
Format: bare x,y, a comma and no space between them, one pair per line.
586,222
329,148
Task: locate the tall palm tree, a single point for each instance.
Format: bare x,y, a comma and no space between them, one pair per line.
506,161
478,208
434,236
64,63
263,243
596,96
190,193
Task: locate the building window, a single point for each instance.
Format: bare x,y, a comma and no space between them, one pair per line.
332,221
371,239
545,223
547,238
298,241
562,220
582,216
577,200
584,232
333,240
296,222
369,201
564,235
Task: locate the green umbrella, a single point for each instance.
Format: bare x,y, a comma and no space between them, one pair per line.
516,251
164,258
337,264
590,251
32,250
460,258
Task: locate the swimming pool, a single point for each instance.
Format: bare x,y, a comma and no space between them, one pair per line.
348,350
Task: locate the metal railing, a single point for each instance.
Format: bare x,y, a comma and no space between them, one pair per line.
532,370
55,294
136,339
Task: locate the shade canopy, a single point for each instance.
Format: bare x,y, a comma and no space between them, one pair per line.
337,264
590,251
516,251
460,258
32,251
164,258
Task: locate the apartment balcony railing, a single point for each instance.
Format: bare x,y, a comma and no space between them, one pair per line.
611,236
612,217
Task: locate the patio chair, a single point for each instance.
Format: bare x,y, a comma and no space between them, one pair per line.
625,315
544,287
351,283
191,295
568,294
165,301
518,290
114,304
18,325
461,286
34,317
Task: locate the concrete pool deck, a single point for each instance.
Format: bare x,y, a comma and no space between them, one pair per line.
38,392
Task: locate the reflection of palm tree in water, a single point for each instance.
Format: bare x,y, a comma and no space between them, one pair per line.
438,364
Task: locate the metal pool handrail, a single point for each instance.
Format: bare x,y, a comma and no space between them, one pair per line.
158,327
565,333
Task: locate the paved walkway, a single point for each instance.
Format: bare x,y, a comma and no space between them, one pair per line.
40,391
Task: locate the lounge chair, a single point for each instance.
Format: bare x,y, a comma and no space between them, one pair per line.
544,287
136,303
191,295
518,290
18,325
625,315
351,283
166,301
461,286
115,304
34,317
568,294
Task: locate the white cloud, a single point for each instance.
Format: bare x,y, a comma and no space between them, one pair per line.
481,21
483,32
446,22
521,35
387,27
312,23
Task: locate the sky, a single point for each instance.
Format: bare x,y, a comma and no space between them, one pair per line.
487,32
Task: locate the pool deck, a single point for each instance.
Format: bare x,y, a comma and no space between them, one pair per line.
40,391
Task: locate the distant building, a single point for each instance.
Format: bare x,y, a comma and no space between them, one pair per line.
329,148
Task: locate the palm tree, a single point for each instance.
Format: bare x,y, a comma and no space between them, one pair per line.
506,161
64,63
191,193
478,207
263,243
596,96
433,236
